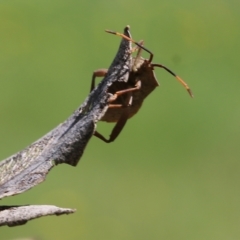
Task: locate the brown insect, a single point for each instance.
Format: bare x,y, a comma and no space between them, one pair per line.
140,83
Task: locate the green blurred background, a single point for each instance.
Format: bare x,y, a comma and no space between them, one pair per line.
174,171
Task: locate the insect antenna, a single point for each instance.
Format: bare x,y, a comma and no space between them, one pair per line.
133,41
176,76
150,59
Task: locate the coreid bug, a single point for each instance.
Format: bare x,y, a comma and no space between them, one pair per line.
141,82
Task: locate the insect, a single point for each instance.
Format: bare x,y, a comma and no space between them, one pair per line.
65,143
140,84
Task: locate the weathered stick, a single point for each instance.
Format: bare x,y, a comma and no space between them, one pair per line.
65,143
18,215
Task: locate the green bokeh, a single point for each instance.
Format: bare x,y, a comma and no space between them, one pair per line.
174,171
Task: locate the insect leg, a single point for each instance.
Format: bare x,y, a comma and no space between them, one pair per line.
118,126
119,93
124,116
98,73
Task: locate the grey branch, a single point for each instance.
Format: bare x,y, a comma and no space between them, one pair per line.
65,143
19,215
